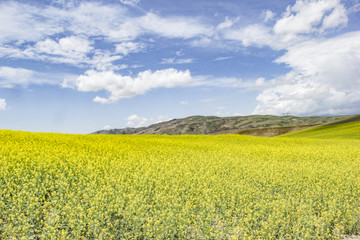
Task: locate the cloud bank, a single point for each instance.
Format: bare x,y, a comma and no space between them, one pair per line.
324,77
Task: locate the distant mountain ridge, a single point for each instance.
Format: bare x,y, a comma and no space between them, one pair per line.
248,125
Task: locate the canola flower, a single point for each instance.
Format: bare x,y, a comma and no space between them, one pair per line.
58,186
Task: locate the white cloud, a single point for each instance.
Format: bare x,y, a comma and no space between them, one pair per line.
136,121
184,102
99,59
229,82
153,24
10,77
180,53
324,76
256,34
29,31
65,3
120,86
354,9
107,127
338,17
68,46
203,41
184,60
168,61
227,23
90,18
177,60
173,27
130,2
162,118
300,22
2,104
222,58
125,48
103,60
21,24
72,50
324,79
311,16
226,82
260,82
268,15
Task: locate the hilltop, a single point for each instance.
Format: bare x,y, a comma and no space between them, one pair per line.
256,125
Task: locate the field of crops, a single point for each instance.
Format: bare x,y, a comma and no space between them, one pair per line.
349,130
57,186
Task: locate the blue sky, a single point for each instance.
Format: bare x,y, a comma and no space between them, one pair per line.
80,66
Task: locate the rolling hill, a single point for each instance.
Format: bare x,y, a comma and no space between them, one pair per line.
255,125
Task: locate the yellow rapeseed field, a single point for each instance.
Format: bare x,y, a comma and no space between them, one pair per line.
57,186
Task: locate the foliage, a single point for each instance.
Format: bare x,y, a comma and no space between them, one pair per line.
57,186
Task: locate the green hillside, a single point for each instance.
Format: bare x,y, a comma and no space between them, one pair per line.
346,129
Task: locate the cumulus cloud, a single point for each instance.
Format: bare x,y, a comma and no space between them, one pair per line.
119,86
298,23
324,79
72,50
68,46
311,16
2,104
136,121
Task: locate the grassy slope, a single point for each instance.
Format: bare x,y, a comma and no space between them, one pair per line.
266,132
349,128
